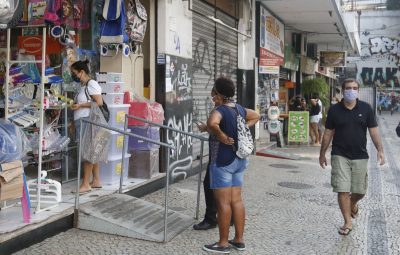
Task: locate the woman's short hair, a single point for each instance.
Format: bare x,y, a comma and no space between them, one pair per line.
81,65
350,80
225,87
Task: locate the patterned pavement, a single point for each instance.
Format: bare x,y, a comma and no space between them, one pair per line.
290,209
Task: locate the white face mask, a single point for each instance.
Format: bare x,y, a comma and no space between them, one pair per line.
350,95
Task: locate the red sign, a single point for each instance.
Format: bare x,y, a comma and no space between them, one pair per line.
267,58
33,45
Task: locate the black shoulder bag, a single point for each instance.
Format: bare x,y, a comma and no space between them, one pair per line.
398,130
103,108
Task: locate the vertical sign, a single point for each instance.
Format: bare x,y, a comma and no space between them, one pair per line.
272,46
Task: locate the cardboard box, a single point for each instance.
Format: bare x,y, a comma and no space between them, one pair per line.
11,180
143,164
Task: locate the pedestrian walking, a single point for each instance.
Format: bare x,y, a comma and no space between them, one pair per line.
320,117
314,119
347,123
226,168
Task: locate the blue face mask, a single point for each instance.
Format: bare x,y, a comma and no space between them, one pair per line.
75,78
350,95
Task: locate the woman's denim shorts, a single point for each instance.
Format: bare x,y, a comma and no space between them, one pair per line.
228,176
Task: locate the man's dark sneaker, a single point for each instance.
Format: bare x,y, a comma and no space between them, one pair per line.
237,246
216,248
204,225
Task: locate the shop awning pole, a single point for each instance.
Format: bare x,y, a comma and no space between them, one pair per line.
41,121
7,81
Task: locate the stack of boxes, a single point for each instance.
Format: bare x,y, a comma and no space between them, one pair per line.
112,86
144,162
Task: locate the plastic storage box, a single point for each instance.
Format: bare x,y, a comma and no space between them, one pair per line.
108,77
113,98
117,115
144,164
148,132
111,87
110,172
117,142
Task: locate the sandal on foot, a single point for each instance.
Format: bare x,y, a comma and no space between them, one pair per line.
237,246
355,214
345,231
95,187
81,192
215,248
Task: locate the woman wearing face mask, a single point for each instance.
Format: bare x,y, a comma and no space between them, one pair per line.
89,90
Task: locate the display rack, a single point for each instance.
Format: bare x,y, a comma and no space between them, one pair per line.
10,62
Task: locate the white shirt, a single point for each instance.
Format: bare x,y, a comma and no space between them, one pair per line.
320,109
93,89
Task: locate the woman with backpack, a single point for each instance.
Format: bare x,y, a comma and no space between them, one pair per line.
226,168
89,90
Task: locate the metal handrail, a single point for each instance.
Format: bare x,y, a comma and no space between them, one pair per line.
202,140
170,147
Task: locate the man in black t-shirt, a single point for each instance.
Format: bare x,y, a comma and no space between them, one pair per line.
347,123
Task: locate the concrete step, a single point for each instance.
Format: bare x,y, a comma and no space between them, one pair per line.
124,215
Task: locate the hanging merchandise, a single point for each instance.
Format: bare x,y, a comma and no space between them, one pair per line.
52,14
13,142
36,10
112,27
30,69
75,13
136,21
10,12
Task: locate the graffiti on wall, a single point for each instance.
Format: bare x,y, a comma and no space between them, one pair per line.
387,47
205,69
179,113
387,77
380,62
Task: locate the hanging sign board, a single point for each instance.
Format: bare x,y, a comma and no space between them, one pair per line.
298,130
273,113
332,58
272,47
274,126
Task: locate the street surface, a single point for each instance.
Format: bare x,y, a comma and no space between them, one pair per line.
290,209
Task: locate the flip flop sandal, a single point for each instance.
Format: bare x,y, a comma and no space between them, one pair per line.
344,231
81,192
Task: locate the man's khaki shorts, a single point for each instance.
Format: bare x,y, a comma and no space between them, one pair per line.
349,175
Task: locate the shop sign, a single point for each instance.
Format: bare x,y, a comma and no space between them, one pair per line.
307,65
298,128
271,42
291,61
332,58
33,45
268,69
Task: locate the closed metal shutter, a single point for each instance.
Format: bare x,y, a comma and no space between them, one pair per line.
215,49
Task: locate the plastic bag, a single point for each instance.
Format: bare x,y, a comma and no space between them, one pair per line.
143,108
95,139
13,143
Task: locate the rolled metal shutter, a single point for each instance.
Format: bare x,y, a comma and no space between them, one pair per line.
215,49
